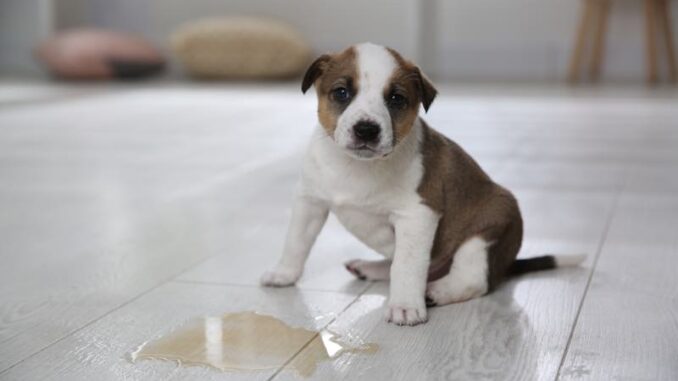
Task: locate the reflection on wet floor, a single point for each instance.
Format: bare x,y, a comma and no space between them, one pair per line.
248,341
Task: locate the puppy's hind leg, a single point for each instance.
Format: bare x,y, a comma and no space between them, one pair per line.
369,270
467,278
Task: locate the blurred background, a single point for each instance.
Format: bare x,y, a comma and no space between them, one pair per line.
460,40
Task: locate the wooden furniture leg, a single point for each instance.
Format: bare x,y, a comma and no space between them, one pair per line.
602,8
580,41
665,25
650,41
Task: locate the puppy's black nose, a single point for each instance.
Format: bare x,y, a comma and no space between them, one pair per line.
366,131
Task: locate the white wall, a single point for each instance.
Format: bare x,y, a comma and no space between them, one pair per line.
464,40
468,40
22,24
531,39
327,25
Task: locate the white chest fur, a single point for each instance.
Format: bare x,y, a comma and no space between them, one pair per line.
364,195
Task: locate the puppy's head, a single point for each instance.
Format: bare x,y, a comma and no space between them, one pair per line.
368,98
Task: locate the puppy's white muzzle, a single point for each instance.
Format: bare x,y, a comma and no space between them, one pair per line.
364,129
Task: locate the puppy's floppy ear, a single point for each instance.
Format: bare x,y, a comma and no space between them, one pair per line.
427,92
314,71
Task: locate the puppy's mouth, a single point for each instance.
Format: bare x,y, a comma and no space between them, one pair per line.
365,151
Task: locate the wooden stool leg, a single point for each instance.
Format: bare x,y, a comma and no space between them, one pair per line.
650,41
602,9
580,41
665,25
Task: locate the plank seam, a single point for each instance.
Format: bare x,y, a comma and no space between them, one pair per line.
219,284
599,249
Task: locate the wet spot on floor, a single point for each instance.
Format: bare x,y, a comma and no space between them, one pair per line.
249,341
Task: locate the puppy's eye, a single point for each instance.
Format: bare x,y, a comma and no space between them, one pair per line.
341,94
396,101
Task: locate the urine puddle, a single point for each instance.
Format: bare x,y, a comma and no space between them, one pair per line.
249,341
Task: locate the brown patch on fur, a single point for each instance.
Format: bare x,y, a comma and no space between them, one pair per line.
407,81
327,73
470,204
425,89
314,71
402,120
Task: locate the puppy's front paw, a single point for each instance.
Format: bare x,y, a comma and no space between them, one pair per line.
279,278
402,315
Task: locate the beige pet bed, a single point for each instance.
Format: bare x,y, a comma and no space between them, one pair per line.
240,47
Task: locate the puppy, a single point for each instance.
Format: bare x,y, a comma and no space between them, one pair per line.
447,232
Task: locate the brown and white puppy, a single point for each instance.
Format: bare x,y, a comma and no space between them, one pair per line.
448,232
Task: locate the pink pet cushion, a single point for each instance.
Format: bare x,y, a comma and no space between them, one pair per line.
98,54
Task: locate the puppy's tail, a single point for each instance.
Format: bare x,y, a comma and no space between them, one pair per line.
546,262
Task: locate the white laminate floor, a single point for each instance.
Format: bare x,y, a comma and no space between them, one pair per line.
127,210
